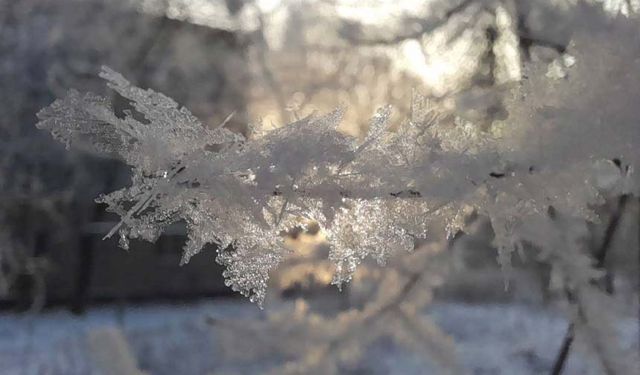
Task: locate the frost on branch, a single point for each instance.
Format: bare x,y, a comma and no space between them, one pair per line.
372,196
242,195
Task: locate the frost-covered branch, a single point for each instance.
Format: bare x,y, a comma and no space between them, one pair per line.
374,197
232,191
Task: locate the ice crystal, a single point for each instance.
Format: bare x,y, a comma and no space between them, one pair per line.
371,197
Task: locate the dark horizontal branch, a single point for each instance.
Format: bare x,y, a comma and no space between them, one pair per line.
409,193
527,41
406,193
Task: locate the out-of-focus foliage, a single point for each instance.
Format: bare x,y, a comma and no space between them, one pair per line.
301,340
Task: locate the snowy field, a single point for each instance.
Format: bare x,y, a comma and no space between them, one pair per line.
176,339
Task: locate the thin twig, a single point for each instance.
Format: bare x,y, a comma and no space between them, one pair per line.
600,256
563,354
601,253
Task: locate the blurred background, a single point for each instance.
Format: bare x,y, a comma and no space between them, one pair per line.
74,304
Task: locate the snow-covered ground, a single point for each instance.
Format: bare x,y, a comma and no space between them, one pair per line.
176,339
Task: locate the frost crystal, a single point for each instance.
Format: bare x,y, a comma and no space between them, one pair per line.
372,198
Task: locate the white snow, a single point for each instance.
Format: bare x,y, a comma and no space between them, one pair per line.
176,339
